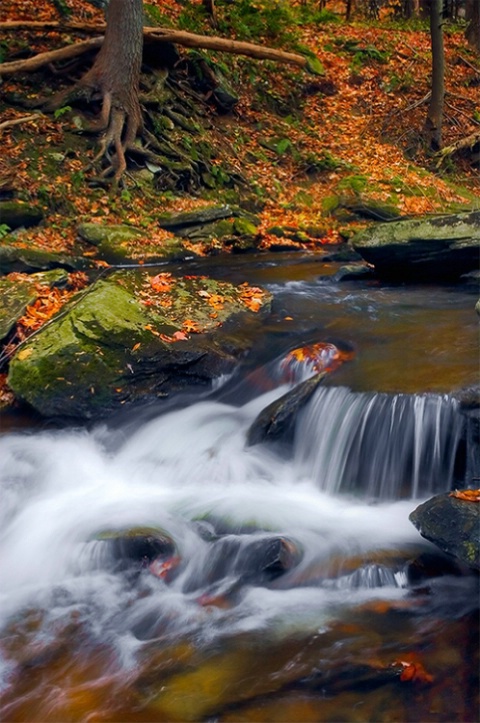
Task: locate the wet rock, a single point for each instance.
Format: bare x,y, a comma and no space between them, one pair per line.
13,258
17,214
343,254
442,247
355,272
453,525
251,561
139,546
108,350
277,421
117,243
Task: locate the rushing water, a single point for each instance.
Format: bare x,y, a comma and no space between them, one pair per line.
291,585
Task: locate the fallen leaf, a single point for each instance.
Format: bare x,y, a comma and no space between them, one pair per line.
466,495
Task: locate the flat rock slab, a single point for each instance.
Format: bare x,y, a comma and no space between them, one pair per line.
29,259
441,247
120,243
453,525
132,338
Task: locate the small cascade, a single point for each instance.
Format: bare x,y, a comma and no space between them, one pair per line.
384,446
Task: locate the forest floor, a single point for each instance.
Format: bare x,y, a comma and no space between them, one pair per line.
299,141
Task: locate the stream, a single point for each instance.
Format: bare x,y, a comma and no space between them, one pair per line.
280,582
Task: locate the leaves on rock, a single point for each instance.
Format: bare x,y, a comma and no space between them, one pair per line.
466,495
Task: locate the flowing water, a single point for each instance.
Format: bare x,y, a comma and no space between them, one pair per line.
284,581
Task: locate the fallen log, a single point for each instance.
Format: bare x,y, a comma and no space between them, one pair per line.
464,144
161,35
52,56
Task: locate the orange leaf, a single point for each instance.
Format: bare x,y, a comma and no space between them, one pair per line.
190,326
466,495
180,336
161,282
413,672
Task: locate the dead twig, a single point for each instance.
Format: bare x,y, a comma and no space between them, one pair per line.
19,121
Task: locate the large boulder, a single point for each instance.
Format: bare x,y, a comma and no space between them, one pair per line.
441,247
453,524
132,338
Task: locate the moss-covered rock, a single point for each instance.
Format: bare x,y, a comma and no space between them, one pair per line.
179,221
442,247
17,214
131,338
117,243
453,525
33,258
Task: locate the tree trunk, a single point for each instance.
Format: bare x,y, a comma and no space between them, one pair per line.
116,75
472,33
434,120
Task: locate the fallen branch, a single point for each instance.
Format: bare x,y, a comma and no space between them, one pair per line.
463,144
162,35
18,121
38,61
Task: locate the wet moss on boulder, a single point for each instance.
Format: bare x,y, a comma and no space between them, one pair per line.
117,345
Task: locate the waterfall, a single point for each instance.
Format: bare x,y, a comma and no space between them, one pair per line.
384,446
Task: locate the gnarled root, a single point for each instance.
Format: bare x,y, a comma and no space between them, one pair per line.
120,127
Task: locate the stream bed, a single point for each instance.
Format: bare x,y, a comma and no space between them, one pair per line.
274,582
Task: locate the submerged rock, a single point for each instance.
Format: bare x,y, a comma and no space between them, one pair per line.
124,341
441,247
355,272
453,525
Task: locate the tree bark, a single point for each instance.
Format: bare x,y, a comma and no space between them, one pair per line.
472,33
116,75
434,120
